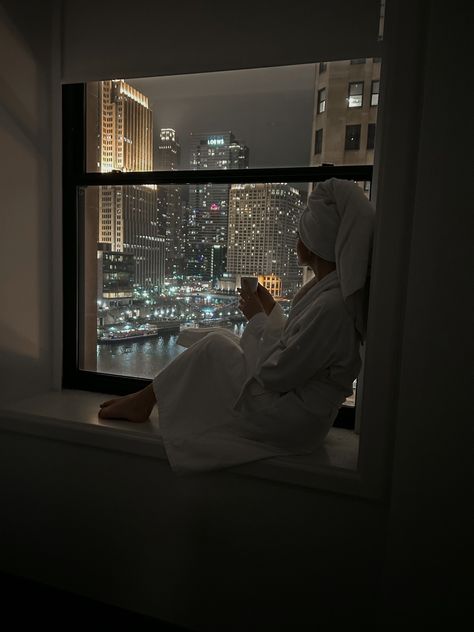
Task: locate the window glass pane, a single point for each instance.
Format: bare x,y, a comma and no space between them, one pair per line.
318,141
356,92
321,100
182,236
352,137
374,98
371,136
159,259
253,118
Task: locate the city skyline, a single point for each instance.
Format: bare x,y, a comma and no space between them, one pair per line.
268,109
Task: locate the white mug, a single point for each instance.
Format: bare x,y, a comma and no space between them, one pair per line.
251,283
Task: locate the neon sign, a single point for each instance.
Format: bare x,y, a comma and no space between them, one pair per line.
215,140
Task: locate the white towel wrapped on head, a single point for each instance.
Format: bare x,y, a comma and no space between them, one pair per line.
338,225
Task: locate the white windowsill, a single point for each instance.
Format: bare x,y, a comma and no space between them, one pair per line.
71,416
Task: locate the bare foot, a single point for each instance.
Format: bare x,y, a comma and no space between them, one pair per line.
111,401
136,407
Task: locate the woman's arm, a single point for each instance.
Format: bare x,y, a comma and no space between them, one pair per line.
310,346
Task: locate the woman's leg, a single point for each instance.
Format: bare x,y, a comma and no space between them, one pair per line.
135,407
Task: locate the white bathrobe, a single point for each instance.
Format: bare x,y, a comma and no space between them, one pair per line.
275,391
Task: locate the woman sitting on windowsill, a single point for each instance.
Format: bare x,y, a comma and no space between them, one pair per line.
276,390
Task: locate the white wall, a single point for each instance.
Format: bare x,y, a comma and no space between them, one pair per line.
214,548
25,181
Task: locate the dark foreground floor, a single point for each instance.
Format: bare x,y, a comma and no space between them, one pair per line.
23,601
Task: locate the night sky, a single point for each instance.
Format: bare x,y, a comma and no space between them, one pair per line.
269,109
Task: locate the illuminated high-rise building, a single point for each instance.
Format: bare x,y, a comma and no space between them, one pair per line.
129,216
126,135
168,153
172,203
263,219
209,203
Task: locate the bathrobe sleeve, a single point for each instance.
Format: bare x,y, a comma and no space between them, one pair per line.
260,335
316,341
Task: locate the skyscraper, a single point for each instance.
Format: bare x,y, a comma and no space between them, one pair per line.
172,204
129,216
208,203
263,219
126,135
168,155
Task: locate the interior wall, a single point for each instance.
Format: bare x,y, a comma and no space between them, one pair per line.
149,38
207,551
431,525
25,210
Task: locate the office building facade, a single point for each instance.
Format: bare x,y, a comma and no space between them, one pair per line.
346,102
209,203
263,220
121,138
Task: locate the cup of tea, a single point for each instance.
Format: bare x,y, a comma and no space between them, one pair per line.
250,283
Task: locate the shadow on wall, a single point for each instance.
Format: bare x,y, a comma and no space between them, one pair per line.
25,168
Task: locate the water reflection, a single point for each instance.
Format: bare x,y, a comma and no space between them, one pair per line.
143,358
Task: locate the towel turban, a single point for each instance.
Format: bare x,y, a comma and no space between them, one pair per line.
338,225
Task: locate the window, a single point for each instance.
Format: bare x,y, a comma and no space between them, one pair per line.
374,92
352,137
151,237
318,141
358,61
321,100
322,67
355,94
371,136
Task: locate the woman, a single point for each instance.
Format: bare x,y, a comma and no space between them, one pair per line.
276,390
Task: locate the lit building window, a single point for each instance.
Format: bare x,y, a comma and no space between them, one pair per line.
321,100
355,94
374,93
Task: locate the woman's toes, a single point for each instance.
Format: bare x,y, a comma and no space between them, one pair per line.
125,409
104,413
107,402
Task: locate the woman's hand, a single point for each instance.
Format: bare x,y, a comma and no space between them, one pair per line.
249,303
266,299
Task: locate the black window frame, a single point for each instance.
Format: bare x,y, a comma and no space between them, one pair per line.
346,148
349,95
318,141
371,131
372,93
321,101
75,177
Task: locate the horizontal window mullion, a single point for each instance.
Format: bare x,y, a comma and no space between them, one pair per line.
104,382
227,176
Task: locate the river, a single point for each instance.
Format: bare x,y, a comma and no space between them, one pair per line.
143,358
